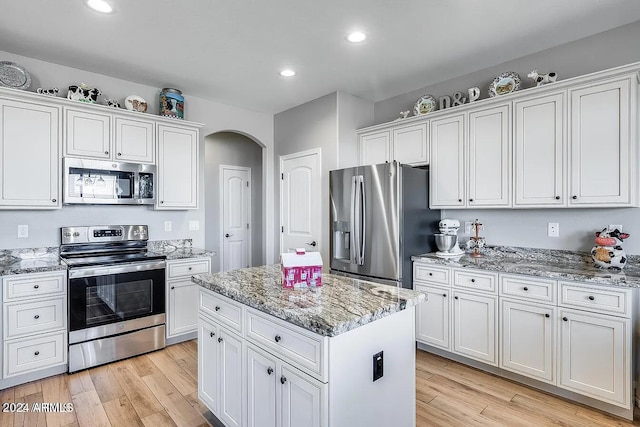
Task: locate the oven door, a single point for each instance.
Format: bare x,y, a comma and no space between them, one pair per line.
115,299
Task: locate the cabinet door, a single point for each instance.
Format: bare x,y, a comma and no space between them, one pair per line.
432,317
231,379
595,356
410,145
177,168
539,151
447,175
208,365
29,155
87,134
474,326
134,140
262,386
527,339
302,399
182,313
489,157
375,148
600,144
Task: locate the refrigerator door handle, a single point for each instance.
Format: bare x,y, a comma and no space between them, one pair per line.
363,220
353,237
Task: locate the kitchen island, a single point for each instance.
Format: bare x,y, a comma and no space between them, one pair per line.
305,357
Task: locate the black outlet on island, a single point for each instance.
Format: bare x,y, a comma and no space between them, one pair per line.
378,365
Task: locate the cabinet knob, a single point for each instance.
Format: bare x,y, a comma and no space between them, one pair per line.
269,370
217,308
283,379
471,200
190,268
565,319
36,353
473,280
37,316
54,200
278,338
219,339
455,297
173,287
591,297
557,197
119,154
525,288
106,152
161,201
444,295
36,286
212,334
574,197
459,200
546,315
430,274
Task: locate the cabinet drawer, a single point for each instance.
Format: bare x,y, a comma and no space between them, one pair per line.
30,354
188,268
34,285
529,288
596,298
221,309
24,318
477,281
428,274
301,348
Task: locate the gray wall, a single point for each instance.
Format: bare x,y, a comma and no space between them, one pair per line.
216,117
529,227
228,148
309,126
353,113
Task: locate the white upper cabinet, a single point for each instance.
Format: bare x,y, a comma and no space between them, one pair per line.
107,136
489,182
87,134
375,147
134,140
409,145
177,167
603,139
447,174
539,145
30,136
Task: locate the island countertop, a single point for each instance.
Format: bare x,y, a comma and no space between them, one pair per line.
550,263
339,305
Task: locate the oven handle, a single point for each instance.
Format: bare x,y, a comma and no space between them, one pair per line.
76,273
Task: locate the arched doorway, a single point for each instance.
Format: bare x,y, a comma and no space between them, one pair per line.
233,150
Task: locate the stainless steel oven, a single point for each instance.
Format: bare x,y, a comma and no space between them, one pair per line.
116,294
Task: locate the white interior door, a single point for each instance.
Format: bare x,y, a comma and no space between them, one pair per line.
300,201
235,207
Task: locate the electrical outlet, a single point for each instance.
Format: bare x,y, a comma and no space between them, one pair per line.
615,226
468,227
194,225
167,226
378,365
23,231
553,229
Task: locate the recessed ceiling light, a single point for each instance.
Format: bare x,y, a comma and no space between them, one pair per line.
287,73
356,37
99,6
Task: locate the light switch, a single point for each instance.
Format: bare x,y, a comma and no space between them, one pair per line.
167,226
23,231
194,225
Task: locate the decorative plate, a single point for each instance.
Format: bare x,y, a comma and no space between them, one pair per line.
505,83
425,104
14,76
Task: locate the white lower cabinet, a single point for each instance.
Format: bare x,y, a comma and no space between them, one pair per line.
182,297
301,399
432,319
527,337
262,388
595,356
474,326
208,378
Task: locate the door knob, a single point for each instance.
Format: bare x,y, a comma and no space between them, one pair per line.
312,243
228,235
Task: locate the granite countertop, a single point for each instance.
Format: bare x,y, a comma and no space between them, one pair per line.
177,249
550,263
339,305
31,260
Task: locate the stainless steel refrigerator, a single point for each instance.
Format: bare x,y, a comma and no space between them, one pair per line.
380,217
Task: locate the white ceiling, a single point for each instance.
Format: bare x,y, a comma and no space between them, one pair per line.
231,51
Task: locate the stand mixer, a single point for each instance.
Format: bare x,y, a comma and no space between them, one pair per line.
447,239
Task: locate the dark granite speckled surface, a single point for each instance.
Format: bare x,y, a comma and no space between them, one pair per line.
30,260
177,249
550,263
339,305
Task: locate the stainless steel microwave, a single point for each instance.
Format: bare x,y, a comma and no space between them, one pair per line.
108,183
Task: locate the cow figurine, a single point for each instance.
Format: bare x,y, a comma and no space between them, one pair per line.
608,252
49,92
541,79
83,93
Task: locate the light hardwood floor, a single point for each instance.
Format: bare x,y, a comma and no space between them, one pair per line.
160,389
